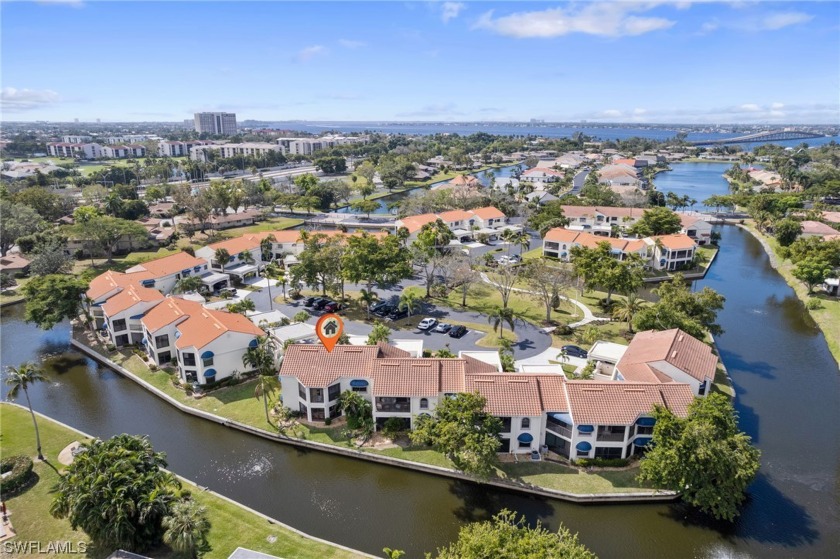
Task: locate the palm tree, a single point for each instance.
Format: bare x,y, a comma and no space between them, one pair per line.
368,297
499,317
189,283
186,527
409,301
267,386
246,257
267,247
19,379
523,240
222,256
626,309
261,357
508,236
271,271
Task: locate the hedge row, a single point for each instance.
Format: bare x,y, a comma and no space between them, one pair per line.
19,470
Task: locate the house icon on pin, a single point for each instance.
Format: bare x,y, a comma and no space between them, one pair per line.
330,328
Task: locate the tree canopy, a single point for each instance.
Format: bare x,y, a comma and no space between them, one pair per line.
117,492
656,221
506,536
598,268
51,299
463,431
694,313
375,261
16,220
703,456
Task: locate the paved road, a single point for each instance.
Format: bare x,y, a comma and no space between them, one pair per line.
531,339
578,182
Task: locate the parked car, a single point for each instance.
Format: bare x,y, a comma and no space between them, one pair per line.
574,351
332,306
320,303
443,328
427,324
398,314
227,292
384,310
309,301
376,307
503,259
458,331
515,259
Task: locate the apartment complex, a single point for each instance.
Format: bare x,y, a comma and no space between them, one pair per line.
464,224
573,418
255,149
178,149
660,252
219,124
308,146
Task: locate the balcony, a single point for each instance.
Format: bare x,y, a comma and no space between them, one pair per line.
558,428
393,405
611,434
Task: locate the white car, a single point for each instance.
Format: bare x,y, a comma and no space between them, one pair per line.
427,324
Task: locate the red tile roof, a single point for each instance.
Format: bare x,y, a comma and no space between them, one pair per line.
488,212
677,241
129,297
675,347
816,228
109,281
169,265
621,403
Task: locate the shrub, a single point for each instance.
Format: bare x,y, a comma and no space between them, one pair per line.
603,462
111,347
328,421
564,330
153,367
393,426
813,304
17,472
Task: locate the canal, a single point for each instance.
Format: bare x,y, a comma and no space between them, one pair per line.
788,399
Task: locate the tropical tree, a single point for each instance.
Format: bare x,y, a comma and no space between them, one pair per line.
242,306
186,528
19,379
368,298
51,299
266,387
656,221
222,256
18,220
463,431
267,247
547,283
703,456
358,410
380,333
786,231
187,284
409,301
300,316
499,316
262,357
118,492
271,271
625,309
364,206
813,271
506,536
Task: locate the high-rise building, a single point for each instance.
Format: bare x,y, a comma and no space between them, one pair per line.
222,124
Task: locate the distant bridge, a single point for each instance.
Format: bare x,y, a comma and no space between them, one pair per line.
769,136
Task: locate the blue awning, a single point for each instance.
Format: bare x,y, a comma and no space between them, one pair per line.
642,441
564,417
187,271
136,317
144,341
583,446
586,428
196,268
207,355
253,343
358,383
148,282
646,421
231,259
525,437
209,373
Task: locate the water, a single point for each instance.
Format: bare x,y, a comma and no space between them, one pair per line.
393,199
697,180
788,400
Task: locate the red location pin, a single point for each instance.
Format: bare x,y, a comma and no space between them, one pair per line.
329,329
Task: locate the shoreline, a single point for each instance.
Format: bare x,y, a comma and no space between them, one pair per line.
778,265
586,498
206,490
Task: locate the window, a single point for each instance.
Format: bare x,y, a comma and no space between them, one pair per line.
302,410
207,361
162,341
702,390
302,392
188,359
191,376
164,357
523,444
608,452
118,325
505,424
584,453
424,403
526,423
334,392
644,430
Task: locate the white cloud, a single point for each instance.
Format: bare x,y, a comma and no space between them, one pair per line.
746,113
351,44
451,10
639,112
15,100
608,19
777,106
750,107
778,20
611,113
308,53
71,3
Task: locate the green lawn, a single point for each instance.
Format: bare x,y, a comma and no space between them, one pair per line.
232,526
271,224
563,478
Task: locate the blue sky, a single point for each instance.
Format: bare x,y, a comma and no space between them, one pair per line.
673,61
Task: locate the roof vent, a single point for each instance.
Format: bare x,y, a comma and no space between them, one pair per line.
674,354
519,380
484,380
680,338
635,390
592,389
